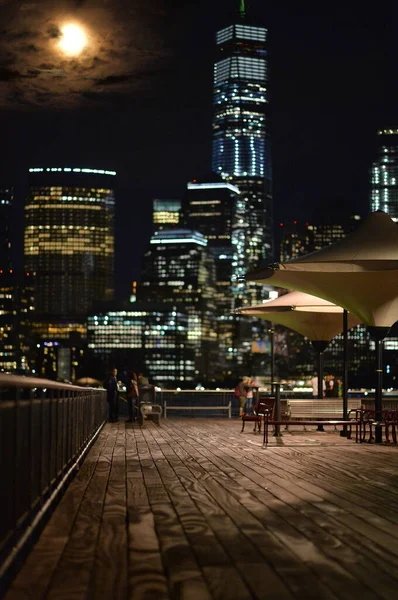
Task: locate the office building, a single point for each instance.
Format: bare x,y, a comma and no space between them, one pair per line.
298,238
208,206
178,269
16,310
241,143
150,338
166,214
69,240
6,199
384,174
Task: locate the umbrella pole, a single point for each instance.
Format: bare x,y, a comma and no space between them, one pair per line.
379,392
320,347
320,382
379,333
272,332
320,375
343,433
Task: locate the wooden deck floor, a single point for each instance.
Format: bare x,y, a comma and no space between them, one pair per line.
195,510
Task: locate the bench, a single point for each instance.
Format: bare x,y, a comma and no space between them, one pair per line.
227,407
325,409
349,422
149,411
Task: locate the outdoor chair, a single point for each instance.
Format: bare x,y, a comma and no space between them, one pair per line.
262,407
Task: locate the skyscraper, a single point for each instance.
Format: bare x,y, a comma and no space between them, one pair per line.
166,214
6,198
69,239
241,148
153,338
178,270
209,206
384,174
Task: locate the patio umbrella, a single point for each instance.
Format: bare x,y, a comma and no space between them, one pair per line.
359,273
315,318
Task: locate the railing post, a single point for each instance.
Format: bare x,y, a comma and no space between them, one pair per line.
277,388
165,409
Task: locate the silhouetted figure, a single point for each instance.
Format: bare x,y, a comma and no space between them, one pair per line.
132,395
112,396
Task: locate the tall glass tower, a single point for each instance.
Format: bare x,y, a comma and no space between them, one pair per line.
69,239
241,149
384,174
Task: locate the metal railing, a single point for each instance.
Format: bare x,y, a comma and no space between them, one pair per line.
45,430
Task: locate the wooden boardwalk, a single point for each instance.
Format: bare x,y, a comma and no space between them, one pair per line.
195,510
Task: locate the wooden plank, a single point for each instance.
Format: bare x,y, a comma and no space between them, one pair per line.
35,576
184,576
194,509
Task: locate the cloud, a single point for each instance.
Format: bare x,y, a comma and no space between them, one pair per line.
125,49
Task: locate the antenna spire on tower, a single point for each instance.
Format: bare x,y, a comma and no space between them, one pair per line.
242,8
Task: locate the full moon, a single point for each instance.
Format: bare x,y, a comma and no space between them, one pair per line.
73,39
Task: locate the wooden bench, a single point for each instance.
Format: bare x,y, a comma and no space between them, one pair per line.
227,407
325,409
350,422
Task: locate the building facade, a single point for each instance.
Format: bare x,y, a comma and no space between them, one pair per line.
384,174
6,199
241,141
150,338
178,269
208,206
69,239
166,214
16,310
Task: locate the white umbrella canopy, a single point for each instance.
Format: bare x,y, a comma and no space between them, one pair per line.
359,273
315,318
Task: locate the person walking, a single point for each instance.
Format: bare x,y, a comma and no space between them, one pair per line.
132,395
112,395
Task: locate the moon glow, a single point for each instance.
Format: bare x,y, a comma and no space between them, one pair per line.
73,39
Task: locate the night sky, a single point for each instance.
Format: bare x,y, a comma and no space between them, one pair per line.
138,100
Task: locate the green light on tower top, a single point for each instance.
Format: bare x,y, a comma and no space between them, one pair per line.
242,8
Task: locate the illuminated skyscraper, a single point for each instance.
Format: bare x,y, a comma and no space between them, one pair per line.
178,269
384,174
6,198
241,148
209,206
69,240
16,309
153,338
166,214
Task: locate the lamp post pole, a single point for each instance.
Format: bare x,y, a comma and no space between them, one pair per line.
379,333
272,332
343,433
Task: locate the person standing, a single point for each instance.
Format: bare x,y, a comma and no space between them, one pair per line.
242,389
132,395
112,395
249,396
314,383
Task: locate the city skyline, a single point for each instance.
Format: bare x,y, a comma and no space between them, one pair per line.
325,116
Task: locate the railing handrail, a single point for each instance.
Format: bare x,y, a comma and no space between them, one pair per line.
20,381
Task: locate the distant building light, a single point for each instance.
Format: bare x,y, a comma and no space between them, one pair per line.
75,170
212,186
